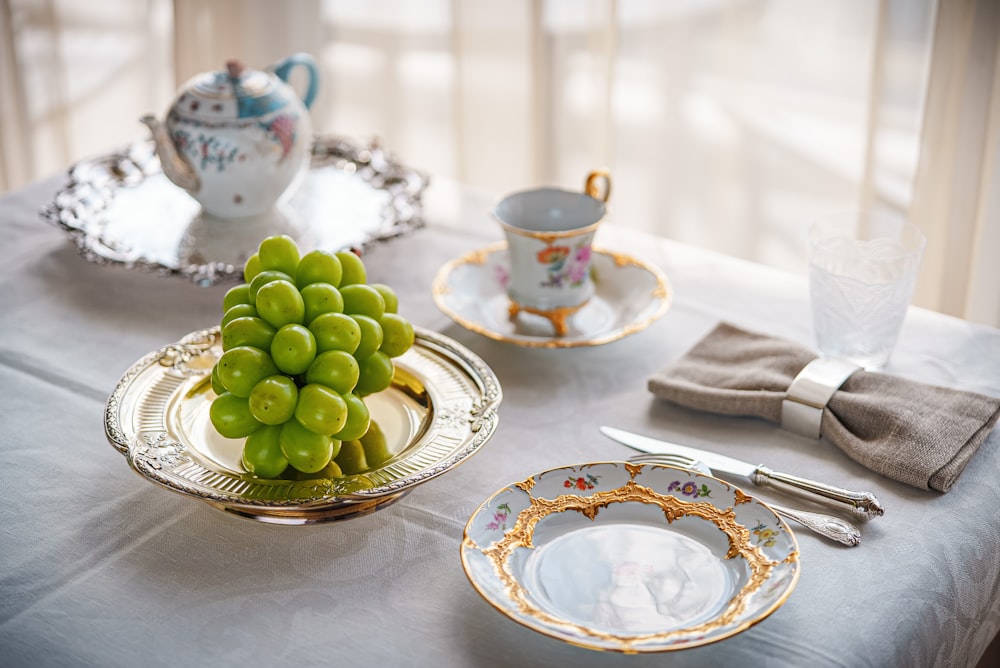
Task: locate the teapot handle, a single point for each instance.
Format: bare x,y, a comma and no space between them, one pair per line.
284,67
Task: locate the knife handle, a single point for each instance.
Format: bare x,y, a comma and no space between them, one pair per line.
862,505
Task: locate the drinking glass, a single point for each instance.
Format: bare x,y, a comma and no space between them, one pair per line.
862,270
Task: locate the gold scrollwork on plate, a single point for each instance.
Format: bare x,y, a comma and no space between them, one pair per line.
506,560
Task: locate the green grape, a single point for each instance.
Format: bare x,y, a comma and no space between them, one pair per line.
280,303
320,298
331,470
247,331
280,253
376,374
336,331
239,294
242,367
231,416
304,339
262,453
358,418
320,409
351,458
251,267
397,334
371,336
293,349
238,311
305,450
263,278
217,385
376,446
389,295
273,399
318,266
363,300
352,269
337,370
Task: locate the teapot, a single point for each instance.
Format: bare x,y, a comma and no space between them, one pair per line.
238,140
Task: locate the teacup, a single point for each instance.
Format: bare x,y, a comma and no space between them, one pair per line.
549,236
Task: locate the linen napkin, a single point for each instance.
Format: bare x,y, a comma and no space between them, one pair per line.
919,434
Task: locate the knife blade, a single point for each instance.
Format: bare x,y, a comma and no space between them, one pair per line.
863,505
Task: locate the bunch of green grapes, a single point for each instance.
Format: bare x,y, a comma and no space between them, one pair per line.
304,340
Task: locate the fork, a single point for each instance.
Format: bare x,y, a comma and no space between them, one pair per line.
828,526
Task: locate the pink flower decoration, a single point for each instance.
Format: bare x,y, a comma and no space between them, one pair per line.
283,128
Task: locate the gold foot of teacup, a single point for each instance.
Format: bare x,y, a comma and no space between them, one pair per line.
557,316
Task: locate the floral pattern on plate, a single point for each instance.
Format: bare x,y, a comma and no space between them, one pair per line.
627,560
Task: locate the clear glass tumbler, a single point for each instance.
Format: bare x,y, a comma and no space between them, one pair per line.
862,270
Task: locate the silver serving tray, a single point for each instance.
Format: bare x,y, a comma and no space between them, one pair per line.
120,209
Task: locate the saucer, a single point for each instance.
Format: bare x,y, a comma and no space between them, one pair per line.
629,296
630,558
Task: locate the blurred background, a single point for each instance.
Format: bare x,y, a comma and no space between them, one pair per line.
728,124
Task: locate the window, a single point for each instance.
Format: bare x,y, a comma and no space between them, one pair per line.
728,124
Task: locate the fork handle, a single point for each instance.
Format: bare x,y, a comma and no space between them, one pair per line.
828,526
862,505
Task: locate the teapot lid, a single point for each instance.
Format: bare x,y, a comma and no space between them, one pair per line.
237,92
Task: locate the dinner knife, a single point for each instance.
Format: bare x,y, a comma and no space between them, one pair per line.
863,505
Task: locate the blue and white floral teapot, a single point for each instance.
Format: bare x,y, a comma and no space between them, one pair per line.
238,140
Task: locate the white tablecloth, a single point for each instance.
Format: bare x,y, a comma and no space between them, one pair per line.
98,567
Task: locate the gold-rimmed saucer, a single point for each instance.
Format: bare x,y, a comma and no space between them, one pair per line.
630,295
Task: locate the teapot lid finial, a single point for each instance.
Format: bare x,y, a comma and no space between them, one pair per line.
235,68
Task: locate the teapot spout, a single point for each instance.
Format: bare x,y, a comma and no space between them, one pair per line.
175,167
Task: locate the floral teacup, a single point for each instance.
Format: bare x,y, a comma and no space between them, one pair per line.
549,235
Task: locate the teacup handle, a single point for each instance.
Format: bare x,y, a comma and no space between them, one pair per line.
591,188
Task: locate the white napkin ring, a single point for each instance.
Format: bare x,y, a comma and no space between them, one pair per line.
810,391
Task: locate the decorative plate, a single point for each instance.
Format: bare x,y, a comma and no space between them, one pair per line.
630,557
121,209
629,296
440,410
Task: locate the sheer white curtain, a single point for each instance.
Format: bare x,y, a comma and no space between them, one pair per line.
726,123
74,78
957,196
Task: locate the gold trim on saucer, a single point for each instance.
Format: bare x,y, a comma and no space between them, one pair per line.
468,309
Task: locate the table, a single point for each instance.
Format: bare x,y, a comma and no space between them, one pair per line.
98,567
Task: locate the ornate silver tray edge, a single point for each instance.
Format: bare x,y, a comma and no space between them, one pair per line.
79,205
156,457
